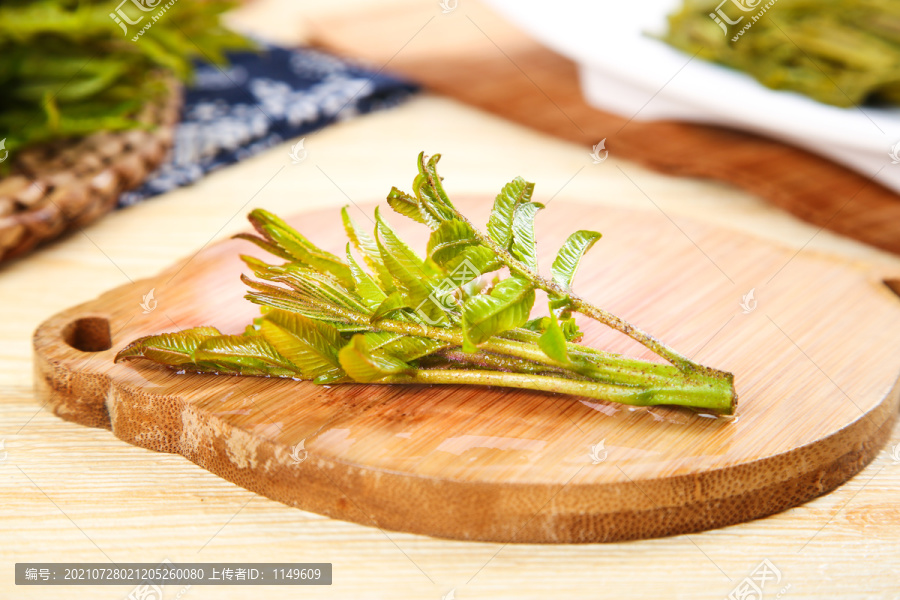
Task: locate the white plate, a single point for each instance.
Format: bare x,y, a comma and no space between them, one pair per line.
624,70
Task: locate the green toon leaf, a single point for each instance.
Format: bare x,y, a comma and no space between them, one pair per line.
553,341
507,306
500,223
408,206
312,346
401,346
168,348
409,272
365,366
316,286
265,245
366,286
571,330
455,247
450,240
523,244
318,327
471,264
291,241
433,201
393,302
363,242
247,355
569,256
79,54
309,310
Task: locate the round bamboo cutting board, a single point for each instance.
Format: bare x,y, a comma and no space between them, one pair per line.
813,350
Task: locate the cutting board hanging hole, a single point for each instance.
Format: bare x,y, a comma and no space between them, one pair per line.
88,334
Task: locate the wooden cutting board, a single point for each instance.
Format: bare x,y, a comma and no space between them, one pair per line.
815,362
473,55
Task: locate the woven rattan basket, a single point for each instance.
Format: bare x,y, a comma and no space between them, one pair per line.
65,185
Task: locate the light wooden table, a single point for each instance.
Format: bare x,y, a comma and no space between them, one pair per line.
75,494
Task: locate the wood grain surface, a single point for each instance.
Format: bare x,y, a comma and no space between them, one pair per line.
474,55
71,493
510,465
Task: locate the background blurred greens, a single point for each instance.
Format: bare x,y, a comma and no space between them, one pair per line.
68,69
840,52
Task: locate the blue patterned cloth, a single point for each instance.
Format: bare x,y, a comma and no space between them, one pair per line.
260,100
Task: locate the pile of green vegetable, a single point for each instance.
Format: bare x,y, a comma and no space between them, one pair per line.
447,318
67,68
840,52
